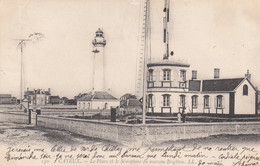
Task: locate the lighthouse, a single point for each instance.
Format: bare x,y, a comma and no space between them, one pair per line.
99,44
98,98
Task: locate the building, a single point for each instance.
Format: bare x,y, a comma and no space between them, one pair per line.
98,98
5,99
169,91
130,104
54,99
173,88
38,97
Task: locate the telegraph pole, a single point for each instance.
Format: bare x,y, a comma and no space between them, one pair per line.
22,44
34,38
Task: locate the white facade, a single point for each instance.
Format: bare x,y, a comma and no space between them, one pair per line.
245,104
99,43
98,98
94,105
168,91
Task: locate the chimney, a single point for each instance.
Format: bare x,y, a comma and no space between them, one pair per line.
27,89
109,91
216,73
194,75
248,75
49,89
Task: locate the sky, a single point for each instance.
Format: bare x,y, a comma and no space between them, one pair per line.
207,34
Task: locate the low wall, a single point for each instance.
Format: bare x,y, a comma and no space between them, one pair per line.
146,134
136,134
14,117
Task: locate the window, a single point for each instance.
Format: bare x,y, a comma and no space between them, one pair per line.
182,76
150,100
219,101
83,105
194,100
166,74
166,100
150,75
206,101
245,90
105,107
194,75
182,100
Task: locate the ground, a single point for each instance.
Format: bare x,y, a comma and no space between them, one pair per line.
18,134
55,147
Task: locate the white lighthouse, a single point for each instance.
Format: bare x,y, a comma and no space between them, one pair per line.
99,43
98,98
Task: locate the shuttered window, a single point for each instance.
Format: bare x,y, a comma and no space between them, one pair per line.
194,100
166,100
206,101
219,101
182,100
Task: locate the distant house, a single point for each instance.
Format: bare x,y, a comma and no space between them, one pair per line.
130,103
14,100
72,102
38,97
5,98
54,99
64,100
97,100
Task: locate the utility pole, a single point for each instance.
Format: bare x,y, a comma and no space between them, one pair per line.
22,44
34,38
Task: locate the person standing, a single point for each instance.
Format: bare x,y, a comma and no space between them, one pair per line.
184,115
179,116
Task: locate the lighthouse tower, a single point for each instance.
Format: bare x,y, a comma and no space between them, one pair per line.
99,43
98,98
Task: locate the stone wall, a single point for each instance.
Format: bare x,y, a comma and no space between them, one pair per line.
136,134
14,117
146,134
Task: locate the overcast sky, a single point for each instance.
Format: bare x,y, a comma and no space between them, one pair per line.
204,33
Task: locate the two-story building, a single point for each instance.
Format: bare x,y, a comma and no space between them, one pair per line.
173,88
38,97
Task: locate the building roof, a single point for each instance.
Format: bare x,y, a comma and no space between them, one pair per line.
221,84
215,85
54,97
97,96
5,96
47,93
167,63
134,102
130,102
128,96
194,85
29,93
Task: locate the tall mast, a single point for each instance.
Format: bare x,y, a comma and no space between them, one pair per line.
147,53
145,48
166,20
